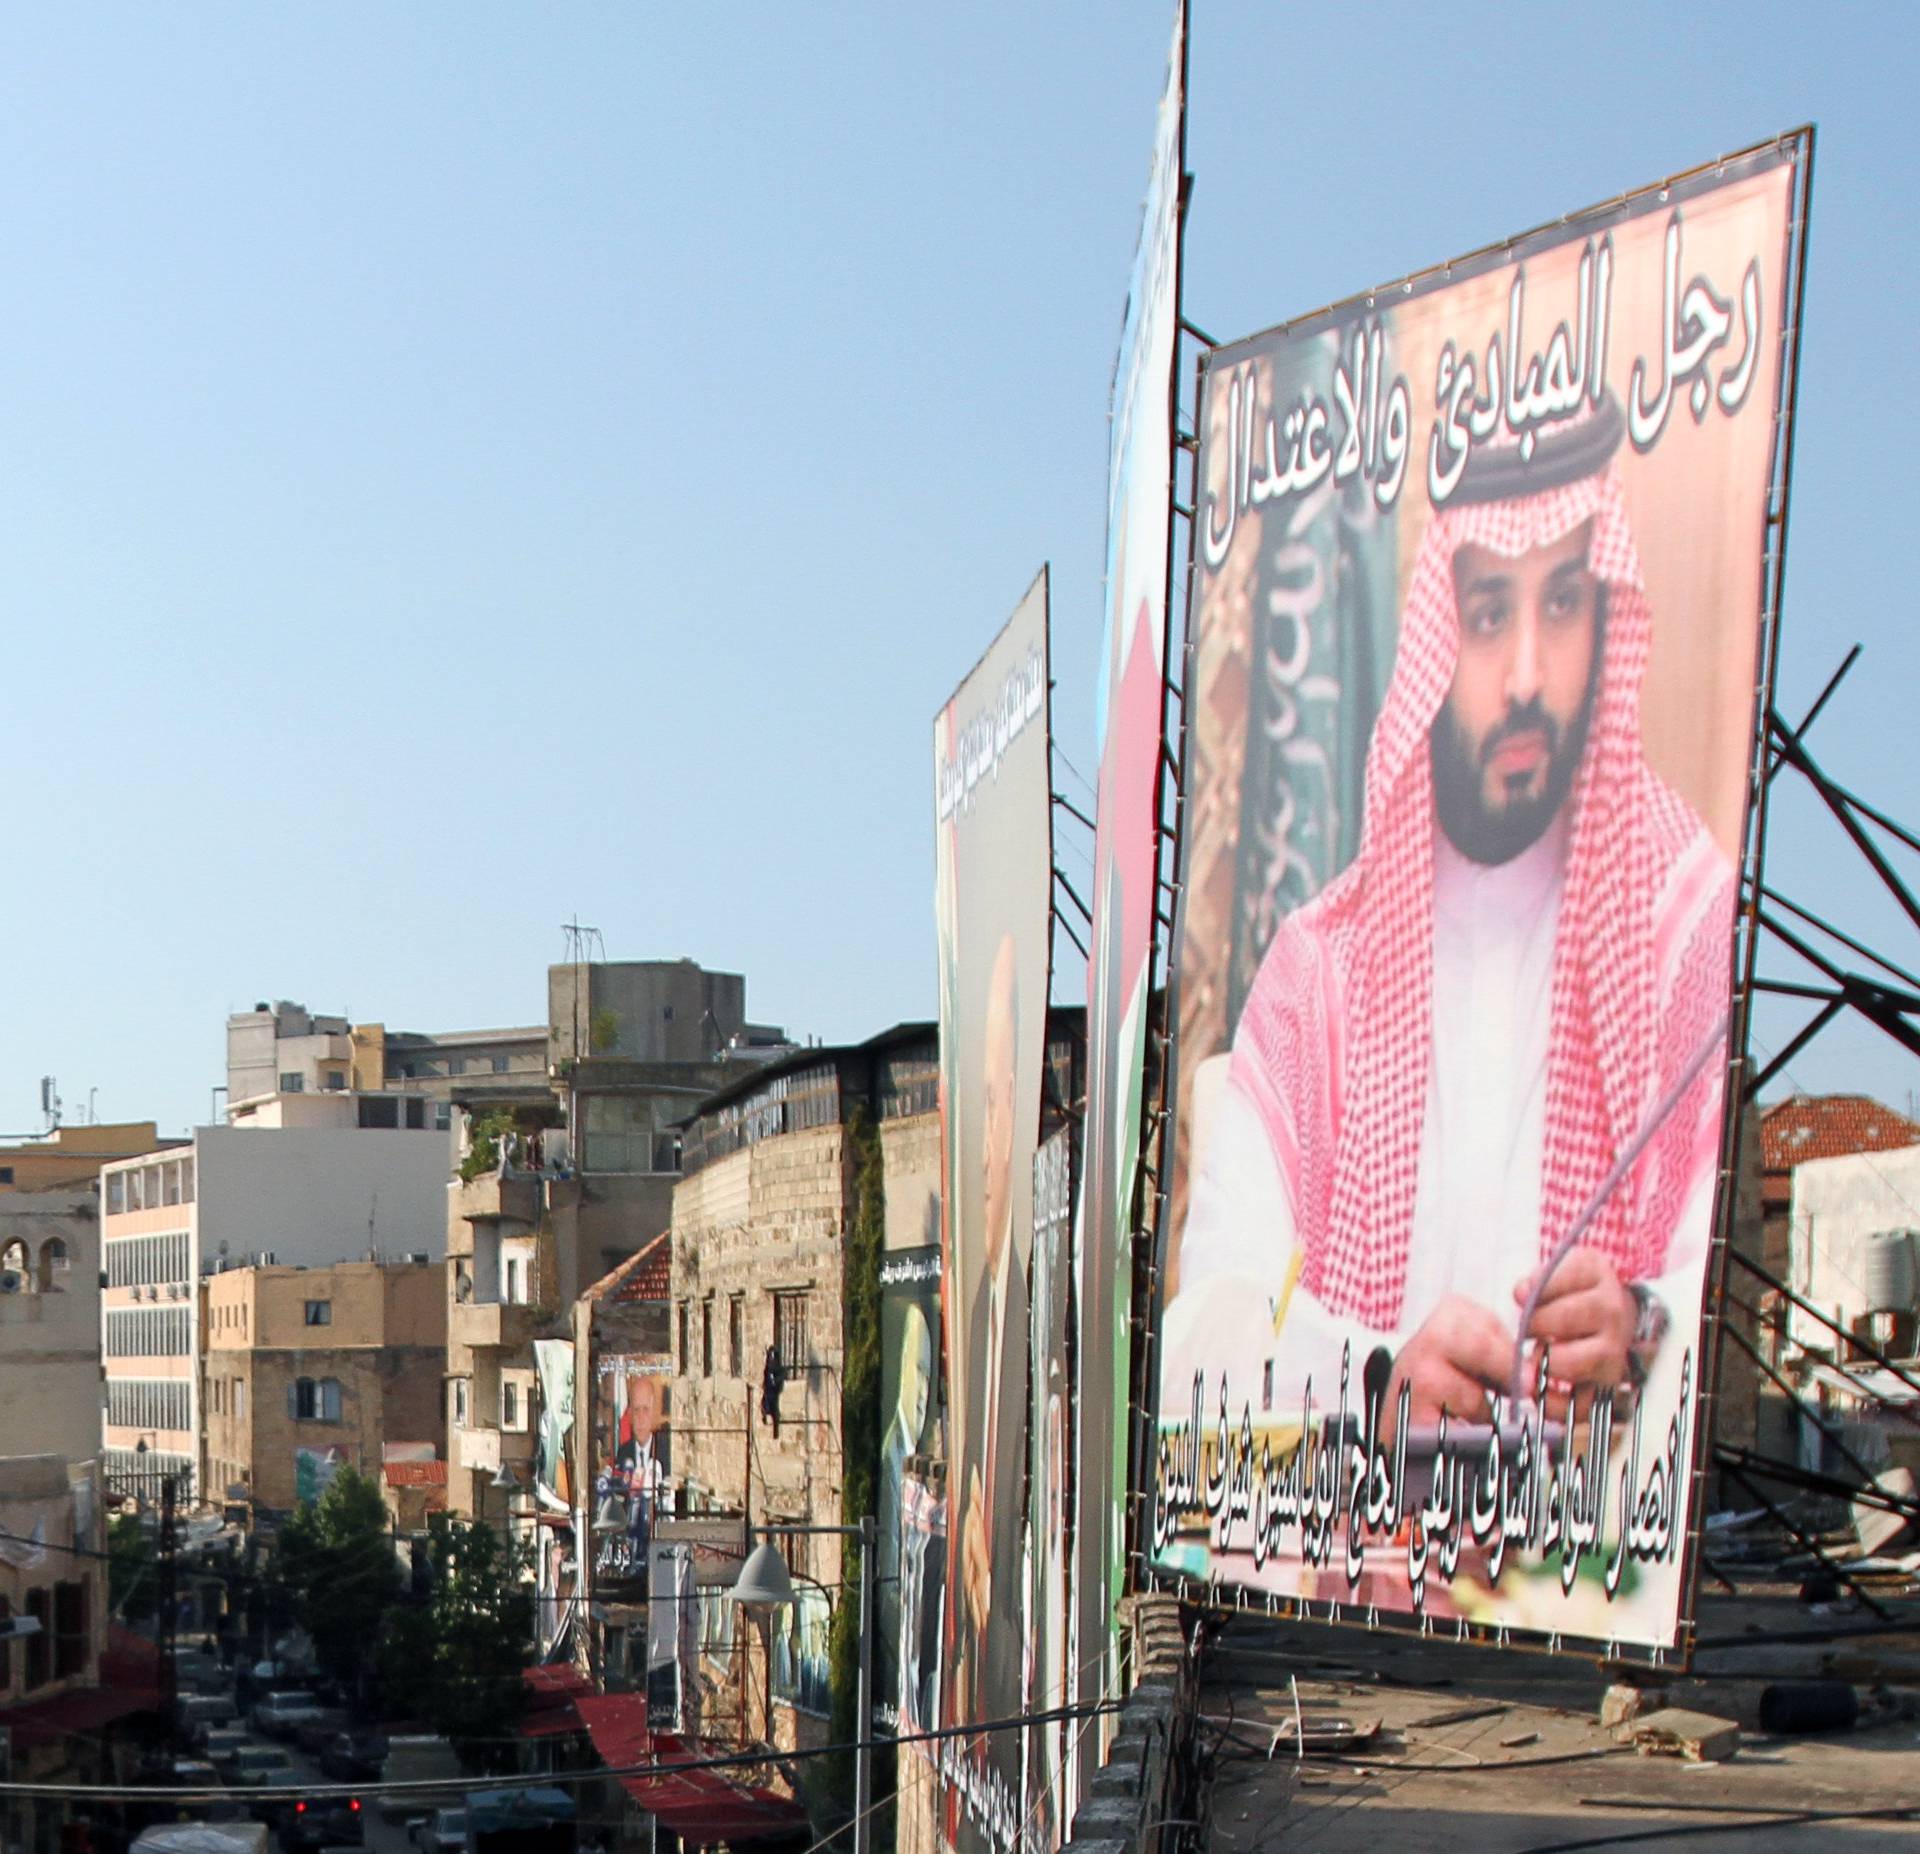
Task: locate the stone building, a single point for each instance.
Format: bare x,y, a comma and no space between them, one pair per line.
308,1369
50,1323
72,1156
761,1218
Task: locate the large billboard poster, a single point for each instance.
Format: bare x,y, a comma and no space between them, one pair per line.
1128,722
553,1446
632,1456
1479,613
993,891
1051,1647
910,1410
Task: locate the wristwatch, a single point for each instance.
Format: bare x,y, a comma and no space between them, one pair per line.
1650,1324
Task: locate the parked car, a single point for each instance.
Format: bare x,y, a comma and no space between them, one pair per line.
259,1767
197,1671
198,1713
278,1713
322,1822
418,1757
442,1832
315,1733
223,1744
354,1757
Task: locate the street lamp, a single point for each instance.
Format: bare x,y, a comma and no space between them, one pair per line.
765,1582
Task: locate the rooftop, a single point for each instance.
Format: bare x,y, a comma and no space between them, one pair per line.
1825,1126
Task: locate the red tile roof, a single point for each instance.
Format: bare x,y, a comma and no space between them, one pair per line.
645,1276
416,1473
1826,1126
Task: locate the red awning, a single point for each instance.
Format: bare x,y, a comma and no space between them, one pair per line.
43,1722
550,1694
702,1807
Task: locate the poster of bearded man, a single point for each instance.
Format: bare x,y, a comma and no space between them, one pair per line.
1482,597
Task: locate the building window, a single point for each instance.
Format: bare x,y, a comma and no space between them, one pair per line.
737,1336
706,1337
790,1330
511,1294
54,1263
6,1174
116,1193
499,1065
459,1403
416,1115
292,1084
456,1065
509,1404
319,1313
40,1647
69,1629
239,1396
443,1116
379,1111
314,1400
686,1344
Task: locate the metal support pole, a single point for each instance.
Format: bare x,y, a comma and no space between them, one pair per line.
863,1759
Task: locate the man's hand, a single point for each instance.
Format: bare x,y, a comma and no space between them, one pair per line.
1459,1352
1585,1321
976,1565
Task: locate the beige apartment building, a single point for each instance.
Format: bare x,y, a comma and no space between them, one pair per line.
73,1156
309,1369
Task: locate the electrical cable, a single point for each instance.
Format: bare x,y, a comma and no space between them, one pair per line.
430,1786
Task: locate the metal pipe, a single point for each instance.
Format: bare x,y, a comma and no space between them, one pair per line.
863,1758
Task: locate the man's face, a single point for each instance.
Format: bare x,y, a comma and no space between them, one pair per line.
1508,742
643,1405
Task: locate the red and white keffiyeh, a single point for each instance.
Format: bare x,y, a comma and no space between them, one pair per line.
1332,1047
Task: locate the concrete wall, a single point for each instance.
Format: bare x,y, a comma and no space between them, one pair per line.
659,1010
74,1155
50,1331
307,1194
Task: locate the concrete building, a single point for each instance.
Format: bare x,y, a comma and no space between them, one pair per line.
70,1156
50,1323
562,1177
1805,1127
285,1049
294,1194
305,1369
761,1218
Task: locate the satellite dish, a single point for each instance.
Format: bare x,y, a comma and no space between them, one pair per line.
11,1281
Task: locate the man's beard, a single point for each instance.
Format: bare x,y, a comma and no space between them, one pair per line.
1479,831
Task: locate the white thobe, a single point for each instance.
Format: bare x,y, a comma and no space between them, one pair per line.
1476,1212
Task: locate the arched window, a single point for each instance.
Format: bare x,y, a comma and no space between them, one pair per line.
14,1259
54,1263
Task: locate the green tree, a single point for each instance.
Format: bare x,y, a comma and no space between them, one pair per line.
335,1559
456,1659
131,1583
483,1144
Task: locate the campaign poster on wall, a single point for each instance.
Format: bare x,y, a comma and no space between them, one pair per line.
553,1447
910,1411
1129,724
632,1457
994,880
1480,610
923,1584
1051,1644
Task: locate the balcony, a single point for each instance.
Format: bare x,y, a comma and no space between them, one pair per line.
483,1324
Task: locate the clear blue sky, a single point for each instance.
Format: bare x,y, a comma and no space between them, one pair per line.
466,466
